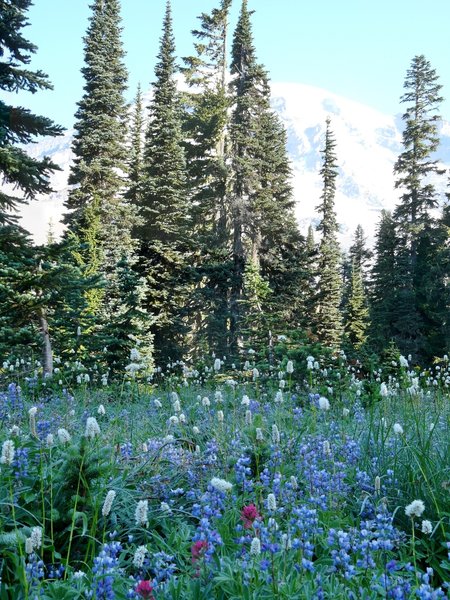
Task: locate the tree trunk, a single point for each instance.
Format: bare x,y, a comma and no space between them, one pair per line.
47,353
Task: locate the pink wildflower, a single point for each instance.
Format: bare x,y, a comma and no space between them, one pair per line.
248,514
144,588
198,549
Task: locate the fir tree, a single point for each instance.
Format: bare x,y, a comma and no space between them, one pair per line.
20,309
17,124
205,131
359,253
357,311
328,319
164,233
415,225
383,275
99,216
358,258
262,219
136,159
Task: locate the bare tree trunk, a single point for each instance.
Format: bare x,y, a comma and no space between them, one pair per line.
47,353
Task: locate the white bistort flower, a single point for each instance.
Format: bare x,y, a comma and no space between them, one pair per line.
275,434
290,367
245,400
255,547
107,504
139,556
32,416
384,392
141,513
165,507
403,361
92,428
398,429
324,403
415,509
36,537
63,436
101,410
271,502
217,364
8,452
427,527
221,484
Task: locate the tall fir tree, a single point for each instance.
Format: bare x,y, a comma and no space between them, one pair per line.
359,252
99,216
416,227
357,311
383,275
136,153
165,232
22,309
327,315
205,132
262,217
355,288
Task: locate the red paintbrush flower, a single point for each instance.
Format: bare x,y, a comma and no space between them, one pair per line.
144,588
198,549
248,514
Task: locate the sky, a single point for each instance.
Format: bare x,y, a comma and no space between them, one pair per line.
360,49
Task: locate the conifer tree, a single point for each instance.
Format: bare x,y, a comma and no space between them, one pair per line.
262,219
328,319
98,215
359,253
383,276
18,125
21,310
165,231
136,158
357,259
415,224
205,132
357,310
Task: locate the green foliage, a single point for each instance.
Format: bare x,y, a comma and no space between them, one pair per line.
164,233
327,301
98,217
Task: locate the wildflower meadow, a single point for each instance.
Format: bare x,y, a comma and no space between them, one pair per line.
309,478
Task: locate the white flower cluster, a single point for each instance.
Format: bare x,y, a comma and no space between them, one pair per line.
139,556
107,504
415,509
8,452
64,436
221,484
92,428
141,513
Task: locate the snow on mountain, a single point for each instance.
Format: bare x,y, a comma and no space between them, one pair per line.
367,145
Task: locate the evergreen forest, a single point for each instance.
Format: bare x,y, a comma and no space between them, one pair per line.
185,334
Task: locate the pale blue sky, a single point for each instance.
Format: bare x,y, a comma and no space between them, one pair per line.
360,49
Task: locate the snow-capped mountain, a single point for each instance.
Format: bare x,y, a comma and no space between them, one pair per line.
367,145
